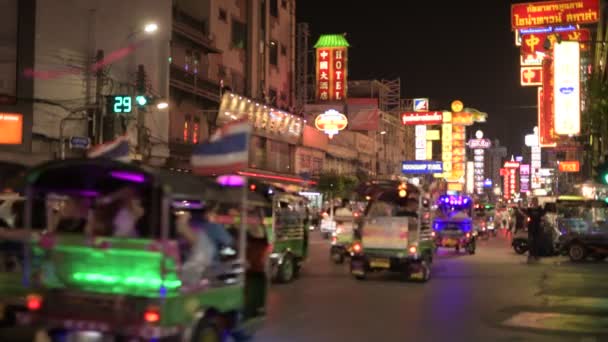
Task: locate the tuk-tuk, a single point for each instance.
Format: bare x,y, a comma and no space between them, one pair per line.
343,237
290,236
391,236
453,226
128,272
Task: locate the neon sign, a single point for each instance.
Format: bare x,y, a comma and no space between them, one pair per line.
331,122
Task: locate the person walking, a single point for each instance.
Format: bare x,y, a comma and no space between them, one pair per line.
535,230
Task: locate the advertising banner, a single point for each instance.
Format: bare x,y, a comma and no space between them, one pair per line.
551,13
566,88
535,42
569,166
421,167
331,75
422,118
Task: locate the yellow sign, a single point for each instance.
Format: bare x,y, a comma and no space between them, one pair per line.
455,187
429,150
433,135
457,106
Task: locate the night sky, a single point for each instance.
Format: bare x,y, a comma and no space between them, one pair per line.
443,50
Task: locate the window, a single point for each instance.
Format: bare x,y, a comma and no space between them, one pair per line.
274,8
284,4
283,97
273,53
283,50
272,96
223,15
186,128
239,35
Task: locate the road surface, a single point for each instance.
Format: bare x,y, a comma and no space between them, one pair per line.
491,296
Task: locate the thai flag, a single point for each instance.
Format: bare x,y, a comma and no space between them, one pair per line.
117,149
226,151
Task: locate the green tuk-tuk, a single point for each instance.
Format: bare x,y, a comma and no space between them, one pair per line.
290,236
391,236
127,272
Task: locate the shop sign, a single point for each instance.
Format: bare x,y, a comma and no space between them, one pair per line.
569,166
479,143
11,129
331,122
551,13
536,42
421,167
531,76
421,105
511,165
433,135
422,118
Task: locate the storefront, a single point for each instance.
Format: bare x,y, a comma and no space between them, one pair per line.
272,153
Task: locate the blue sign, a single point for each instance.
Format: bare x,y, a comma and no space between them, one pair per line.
487,183
519,159
421,167
80,142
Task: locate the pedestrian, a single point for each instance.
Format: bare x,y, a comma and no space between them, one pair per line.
520,220
535,231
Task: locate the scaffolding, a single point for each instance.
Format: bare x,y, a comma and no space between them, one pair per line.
302,53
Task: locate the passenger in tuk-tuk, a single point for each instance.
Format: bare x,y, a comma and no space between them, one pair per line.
117,214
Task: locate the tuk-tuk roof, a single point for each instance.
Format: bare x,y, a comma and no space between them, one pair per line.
78,174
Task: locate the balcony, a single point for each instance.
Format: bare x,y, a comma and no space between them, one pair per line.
194,84
192,30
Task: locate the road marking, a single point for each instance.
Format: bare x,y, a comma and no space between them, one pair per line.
555,321
579,302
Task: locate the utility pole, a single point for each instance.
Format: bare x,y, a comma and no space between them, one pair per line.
99,115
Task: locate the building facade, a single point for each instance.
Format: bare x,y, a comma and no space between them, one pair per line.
69,60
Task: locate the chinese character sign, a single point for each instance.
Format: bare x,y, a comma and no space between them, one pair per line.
332,73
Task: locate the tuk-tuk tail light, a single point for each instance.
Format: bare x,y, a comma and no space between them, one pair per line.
152,315
357,247
33,302
413,249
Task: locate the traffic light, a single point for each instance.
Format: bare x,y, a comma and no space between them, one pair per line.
141,99
602,173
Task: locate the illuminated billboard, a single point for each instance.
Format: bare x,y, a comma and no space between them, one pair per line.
566,89
331,67
548,13
11,128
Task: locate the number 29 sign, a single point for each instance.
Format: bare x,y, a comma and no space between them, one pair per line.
120,104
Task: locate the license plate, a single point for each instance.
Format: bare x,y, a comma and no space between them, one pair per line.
380,263
450,242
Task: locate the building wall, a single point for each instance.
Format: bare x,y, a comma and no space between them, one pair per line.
21,46
68,34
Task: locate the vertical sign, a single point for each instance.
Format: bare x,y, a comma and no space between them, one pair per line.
420,142
470,177
478,163
546,126
524,178
458,151
331,67
339,74
566,88
323,60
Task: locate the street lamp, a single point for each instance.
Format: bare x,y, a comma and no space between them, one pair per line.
162,105
150,28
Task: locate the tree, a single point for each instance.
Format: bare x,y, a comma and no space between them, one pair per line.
335,185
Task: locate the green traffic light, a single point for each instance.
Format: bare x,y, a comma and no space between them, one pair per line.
141,100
